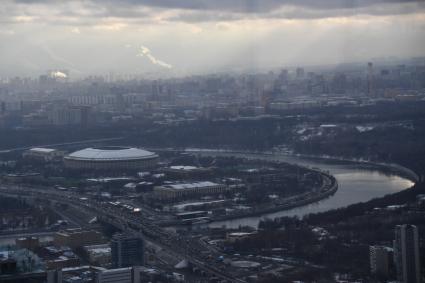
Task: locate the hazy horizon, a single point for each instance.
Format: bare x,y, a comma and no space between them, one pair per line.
173,38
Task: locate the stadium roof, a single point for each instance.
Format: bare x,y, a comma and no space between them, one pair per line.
111,153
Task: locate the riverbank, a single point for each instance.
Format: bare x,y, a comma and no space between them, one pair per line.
328,188
324,192
357,183
392,167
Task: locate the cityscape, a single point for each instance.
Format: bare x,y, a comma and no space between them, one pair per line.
212,141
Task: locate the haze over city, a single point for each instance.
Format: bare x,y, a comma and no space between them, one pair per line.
212,141
197,37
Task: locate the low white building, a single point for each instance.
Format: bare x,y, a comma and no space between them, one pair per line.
180,190
99,254
43,154
119,275
135,274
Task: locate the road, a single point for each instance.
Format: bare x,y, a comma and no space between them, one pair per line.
60,144
195,251
28,234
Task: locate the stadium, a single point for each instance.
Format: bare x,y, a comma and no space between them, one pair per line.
111,158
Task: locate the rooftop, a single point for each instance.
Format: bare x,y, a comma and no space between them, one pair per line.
42,149
183,168
111,153
183,186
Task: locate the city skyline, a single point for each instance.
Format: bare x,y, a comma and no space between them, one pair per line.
200,141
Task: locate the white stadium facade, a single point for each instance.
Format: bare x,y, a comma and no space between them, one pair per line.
111,158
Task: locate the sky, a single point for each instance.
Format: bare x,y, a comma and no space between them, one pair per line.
171,37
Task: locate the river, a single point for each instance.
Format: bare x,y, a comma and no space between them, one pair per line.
357,183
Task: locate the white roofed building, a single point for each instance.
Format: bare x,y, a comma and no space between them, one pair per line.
111,158
184,190
43,154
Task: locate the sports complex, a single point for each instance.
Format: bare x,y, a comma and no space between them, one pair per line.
111,158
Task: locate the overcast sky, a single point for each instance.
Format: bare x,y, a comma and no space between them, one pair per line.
196,36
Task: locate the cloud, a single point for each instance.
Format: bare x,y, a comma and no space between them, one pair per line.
58,74
75,30
254,6
24,19
145,52
213,34
301,11
7,32
111,26
57,59
195,29
96,12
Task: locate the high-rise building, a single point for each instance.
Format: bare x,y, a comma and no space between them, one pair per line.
370,80
156,89
283,76
299,72
406,253
127,250
380,260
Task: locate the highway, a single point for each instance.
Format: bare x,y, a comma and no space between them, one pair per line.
195,251
61,144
